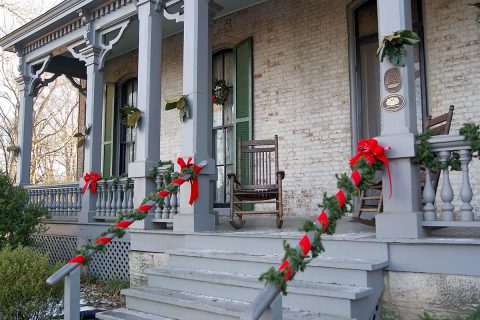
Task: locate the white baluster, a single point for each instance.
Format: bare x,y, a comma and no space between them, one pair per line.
49,200
104,198
79,203
166,207
173,205
446,193
64,201
71,201
113,200
125,198
98,203
118,205
54,202
108,206
429,213
466,193
75,201
130,198
43,202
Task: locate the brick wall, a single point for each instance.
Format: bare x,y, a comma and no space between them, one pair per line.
301,83
453,60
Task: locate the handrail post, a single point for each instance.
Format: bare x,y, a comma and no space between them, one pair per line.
72,295
274,312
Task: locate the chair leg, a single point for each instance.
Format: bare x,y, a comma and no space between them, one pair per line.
279,221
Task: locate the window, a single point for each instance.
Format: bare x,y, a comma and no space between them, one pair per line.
222,69
128,136
232,121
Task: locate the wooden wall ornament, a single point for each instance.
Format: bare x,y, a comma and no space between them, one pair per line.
393,103
392,80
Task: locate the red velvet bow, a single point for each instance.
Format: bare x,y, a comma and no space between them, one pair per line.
91,180
193,182
371,151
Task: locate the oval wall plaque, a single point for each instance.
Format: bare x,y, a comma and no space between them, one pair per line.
392,80
393,103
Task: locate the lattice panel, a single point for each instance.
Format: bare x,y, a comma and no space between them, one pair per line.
60,248
113,264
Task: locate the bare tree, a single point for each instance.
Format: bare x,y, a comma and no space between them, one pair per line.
55,114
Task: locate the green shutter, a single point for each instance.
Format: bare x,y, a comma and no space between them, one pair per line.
108,126
243,96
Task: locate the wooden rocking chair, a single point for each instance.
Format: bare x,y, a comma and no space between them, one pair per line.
256,182
371,200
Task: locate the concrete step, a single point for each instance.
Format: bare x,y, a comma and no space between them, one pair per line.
323,268
305,295
187,306
259,242
126,314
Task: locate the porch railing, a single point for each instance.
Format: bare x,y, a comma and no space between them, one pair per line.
171,204
113,198
446,214
60,199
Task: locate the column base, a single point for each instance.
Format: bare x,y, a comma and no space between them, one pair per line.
400,225
194,222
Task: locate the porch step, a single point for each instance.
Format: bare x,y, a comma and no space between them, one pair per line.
326,269
126,314
187,306
305,295
259,242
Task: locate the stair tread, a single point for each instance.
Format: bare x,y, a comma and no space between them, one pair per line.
295,286
320,261
127,314
213,304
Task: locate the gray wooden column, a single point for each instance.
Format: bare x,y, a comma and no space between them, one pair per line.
197,131
402,211
24,131
93,118
147,146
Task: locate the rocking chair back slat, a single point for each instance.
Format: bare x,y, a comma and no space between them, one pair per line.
256,159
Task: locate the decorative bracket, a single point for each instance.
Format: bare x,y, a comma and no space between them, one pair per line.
41,83
92,49
162,5
36,81
78,86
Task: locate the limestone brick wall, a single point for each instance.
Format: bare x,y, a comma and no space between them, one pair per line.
408,295
452,38
301,83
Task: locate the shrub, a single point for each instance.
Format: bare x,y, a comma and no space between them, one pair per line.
18,219
24,294
115,286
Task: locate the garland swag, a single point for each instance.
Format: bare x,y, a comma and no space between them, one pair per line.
370,157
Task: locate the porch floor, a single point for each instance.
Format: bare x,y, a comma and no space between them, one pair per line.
346,230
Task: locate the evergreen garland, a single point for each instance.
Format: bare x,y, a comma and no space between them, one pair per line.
297,261
471,133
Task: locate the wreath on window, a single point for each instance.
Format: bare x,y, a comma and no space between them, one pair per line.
129,115
220,91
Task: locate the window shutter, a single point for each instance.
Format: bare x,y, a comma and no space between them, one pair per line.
243,97
108,127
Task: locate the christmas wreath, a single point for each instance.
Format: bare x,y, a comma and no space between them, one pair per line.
220,91
393,46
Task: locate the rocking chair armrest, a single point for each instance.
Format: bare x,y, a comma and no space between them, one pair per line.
282,174
233,176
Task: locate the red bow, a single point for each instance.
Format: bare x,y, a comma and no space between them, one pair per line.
193,182
371,151
91,180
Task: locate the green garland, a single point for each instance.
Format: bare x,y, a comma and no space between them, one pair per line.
160,163
220,91
297,260
471,133
116,179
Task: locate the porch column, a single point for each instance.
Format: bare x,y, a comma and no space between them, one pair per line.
93,118
24,131
197,131
402,211
147,151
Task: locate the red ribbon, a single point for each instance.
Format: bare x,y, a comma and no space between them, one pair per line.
288,273
77,259
91,179
193,182
371,150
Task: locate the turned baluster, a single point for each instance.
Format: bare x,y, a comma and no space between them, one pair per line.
108,205
130,198
118,205
80,196
42,198
104,198
49,201
98,203
173,205
466,193
446,194
125,198
75,201
166,207
54,201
